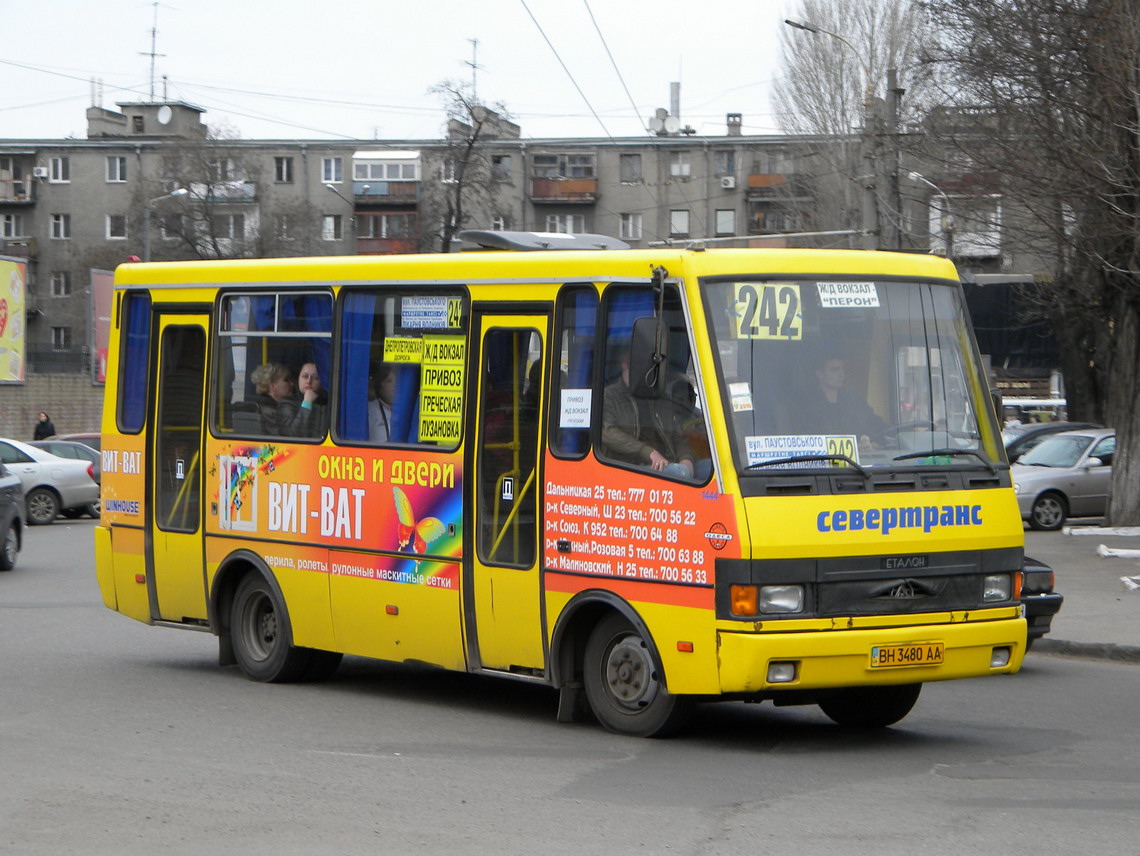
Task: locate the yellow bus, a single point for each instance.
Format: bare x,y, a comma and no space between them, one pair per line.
646,478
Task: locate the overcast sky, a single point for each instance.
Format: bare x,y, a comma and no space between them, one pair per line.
363,68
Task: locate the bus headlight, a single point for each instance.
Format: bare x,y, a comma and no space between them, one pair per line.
781,599
996,587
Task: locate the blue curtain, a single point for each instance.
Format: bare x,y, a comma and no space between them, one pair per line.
356,340
136,361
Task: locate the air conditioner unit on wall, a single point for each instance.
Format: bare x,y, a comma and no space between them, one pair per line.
39,172
728,182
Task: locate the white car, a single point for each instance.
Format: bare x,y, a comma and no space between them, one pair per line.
51,484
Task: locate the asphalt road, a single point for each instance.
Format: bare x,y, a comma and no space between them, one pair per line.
117,738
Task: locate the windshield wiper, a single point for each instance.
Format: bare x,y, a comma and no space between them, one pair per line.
795,459
989,465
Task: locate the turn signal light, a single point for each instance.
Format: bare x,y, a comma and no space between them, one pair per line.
743,600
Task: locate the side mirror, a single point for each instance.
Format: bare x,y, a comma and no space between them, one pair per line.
647,360
1093,463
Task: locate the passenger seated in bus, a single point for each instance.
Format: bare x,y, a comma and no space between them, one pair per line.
832,410
281,414
382,392
641,430
312,415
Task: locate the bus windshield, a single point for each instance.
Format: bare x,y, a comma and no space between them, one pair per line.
833,373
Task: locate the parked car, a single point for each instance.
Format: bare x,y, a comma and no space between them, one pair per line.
94,440
1040,601
77,452
11,518
1019,439
1067,475
51,484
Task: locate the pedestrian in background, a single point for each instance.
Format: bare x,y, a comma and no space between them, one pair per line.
44,428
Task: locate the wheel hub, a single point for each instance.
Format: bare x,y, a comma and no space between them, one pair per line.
629,674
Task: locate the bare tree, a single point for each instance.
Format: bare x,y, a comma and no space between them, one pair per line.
467,186
1047,100
836,82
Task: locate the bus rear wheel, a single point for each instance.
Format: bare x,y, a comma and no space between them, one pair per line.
870,707
259,626
623,683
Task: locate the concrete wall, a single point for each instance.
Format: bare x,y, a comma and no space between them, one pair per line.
74,404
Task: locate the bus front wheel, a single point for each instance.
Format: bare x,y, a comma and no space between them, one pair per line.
870,707
259,627
623,683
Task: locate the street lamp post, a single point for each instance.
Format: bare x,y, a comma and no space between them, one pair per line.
870,208
947,218
148,209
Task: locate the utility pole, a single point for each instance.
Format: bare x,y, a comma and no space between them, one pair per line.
894,96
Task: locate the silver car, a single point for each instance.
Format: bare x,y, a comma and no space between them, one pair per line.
1067,475
51,484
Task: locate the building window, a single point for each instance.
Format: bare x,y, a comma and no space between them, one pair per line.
283,227
228,225
501,168
332,228
725,221
60,283
568,223
679,166
679,223
384,171
116,227
60,170
283,170
170,227
631,227
61,225
725,162
446,171
563,166
116,169
397,226
12,226
629,168
499,223
137,124
221,170
61,338
332,170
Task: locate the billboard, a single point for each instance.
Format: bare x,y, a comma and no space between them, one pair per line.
102,301
13,288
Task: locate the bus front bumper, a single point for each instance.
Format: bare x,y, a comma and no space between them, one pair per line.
763,662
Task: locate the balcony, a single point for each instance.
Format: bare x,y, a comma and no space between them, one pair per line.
19,190
795,186
572,191
398,192
385,246
224,191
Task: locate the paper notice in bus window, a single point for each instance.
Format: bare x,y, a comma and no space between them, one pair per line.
741,397
403,349
763,448
847,295
431,313
441,389
575,408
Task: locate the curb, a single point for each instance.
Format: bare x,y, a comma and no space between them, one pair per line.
1088,650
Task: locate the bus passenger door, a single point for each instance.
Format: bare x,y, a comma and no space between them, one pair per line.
175,555
503,593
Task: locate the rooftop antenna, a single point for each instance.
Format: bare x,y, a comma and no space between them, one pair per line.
153,48
474,68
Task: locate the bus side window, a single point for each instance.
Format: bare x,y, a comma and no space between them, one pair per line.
570,430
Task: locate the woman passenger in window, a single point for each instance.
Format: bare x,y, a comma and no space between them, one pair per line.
312,413
279,410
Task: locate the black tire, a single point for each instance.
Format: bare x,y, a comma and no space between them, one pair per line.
92,509
624,683
262,638
71,513
1049,512
42,505
9,548
870,707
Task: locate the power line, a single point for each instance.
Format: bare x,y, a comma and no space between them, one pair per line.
613,62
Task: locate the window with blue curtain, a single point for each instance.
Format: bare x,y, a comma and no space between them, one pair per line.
265,338
385,346
134,361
